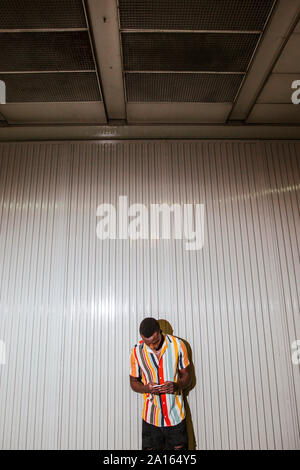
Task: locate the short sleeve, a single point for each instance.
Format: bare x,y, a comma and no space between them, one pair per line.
134,366
183,360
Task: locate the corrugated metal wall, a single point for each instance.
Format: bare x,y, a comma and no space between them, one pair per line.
71,304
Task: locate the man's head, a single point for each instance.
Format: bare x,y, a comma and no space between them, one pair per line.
151,333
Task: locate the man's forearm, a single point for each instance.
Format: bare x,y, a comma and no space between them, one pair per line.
139,387
184,381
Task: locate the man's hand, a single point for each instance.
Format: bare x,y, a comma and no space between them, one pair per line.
137,386
169,387
154,388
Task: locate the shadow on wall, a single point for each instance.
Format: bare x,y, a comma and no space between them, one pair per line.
167,329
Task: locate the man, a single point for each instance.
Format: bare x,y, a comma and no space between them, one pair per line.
160,369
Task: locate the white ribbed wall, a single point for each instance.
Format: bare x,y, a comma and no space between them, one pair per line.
69,301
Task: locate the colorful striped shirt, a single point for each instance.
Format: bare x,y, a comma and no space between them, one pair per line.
164,409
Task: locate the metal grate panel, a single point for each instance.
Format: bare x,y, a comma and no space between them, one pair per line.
182,87
49,87
45,51
188,51
24,14
194,14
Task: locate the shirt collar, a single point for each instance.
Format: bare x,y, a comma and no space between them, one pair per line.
164,347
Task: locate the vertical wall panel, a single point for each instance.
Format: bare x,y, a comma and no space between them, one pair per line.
69,302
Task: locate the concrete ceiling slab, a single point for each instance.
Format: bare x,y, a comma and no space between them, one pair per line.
178,112
289,60
278,89
275,114
49,113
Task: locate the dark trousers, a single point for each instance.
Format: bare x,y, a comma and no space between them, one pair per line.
165,437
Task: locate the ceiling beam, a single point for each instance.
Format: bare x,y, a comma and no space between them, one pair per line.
3,121
104,22
133,132
42,30
214,31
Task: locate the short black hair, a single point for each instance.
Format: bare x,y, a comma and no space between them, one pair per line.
149,326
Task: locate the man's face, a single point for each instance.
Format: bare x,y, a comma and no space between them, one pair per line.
154,341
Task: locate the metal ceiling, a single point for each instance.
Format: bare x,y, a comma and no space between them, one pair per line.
192,15
51,87
219,52
37,14
185,87
135,62
180,37
44,51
